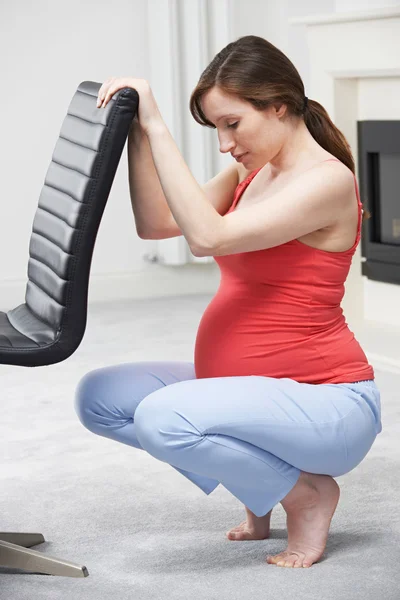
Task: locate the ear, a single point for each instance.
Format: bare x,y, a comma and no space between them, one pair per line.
280,109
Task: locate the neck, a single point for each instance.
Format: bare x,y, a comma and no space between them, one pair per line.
298,147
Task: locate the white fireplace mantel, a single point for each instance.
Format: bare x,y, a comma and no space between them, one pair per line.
365,73
387,12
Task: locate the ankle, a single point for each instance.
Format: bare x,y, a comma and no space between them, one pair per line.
254,517
303,494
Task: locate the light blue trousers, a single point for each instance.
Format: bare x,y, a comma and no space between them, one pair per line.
253,434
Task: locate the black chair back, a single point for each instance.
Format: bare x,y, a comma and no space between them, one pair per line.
49,326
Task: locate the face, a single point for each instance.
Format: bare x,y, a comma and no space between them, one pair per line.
242,129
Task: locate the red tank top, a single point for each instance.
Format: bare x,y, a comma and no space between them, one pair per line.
277,314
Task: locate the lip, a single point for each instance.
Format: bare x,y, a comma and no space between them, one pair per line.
238,158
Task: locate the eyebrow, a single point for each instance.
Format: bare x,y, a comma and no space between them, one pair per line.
228,115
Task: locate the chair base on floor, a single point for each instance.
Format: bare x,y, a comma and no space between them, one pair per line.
15,554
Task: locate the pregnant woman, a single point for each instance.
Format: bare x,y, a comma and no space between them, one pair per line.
280,398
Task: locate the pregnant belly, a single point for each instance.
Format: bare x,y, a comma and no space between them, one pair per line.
243,342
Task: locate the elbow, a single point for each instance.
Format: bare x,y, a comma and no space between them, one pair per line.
198,252
210,246
201,251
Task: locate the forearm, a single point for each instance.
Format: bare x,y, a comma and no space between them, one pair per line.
193,213
149,205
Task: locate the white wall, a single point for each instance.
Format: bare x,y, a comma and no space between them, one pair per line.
50,48
46,49
354,5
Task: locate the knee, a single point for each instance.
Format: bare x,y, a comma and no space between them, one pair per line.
145,423
161,428
86,401
152,425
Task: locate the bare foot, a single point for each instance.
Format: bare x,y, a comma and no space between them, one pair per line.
254,528
309,513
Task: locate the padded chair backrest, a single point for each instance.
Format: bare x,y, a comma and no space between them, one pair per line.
50,325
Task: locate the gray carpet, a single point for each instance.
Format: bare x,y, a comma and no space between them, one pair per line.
143,530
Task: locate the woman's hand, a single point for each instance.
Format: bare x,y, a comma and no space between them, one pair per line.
148,112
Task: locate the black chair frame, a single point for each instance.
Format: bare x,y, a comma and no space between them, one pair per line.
49,326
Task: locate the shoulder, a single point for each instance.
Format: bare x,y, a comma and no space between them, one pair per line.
334,175
326,187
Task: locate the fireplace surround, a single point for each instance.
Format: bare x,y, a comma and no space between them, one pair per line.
354,72
379,184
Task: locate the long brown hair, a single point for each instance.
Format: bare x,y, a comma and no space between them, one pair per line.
256,71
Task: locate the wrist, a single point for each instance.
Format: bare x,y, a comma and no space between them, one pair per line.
136,135
155,126
136,128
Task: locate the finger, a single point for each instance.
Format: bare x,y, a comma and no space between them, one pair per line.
105,86
103,89
110,93
115,85
105,98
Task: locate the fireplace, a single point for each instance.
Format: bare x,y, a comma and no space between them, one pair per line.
354,72
379,183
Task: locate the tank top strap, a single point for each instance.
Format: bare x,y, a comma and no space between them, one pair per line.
360,208
355,180
241,187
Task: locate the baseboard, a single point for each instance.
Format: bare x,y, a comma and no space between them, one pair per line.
383,363
152,282
160,281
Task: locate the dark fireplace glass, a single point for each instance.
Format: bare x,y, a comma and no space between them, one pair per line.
379,184
389,193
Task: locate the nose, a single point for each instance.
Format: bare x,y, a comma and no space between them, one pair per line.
226,143
224,148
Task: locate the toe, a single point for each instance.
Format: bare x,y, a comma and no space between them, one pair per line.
291,560
231,531
277,559
298,562
271,560
235,530
239,535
